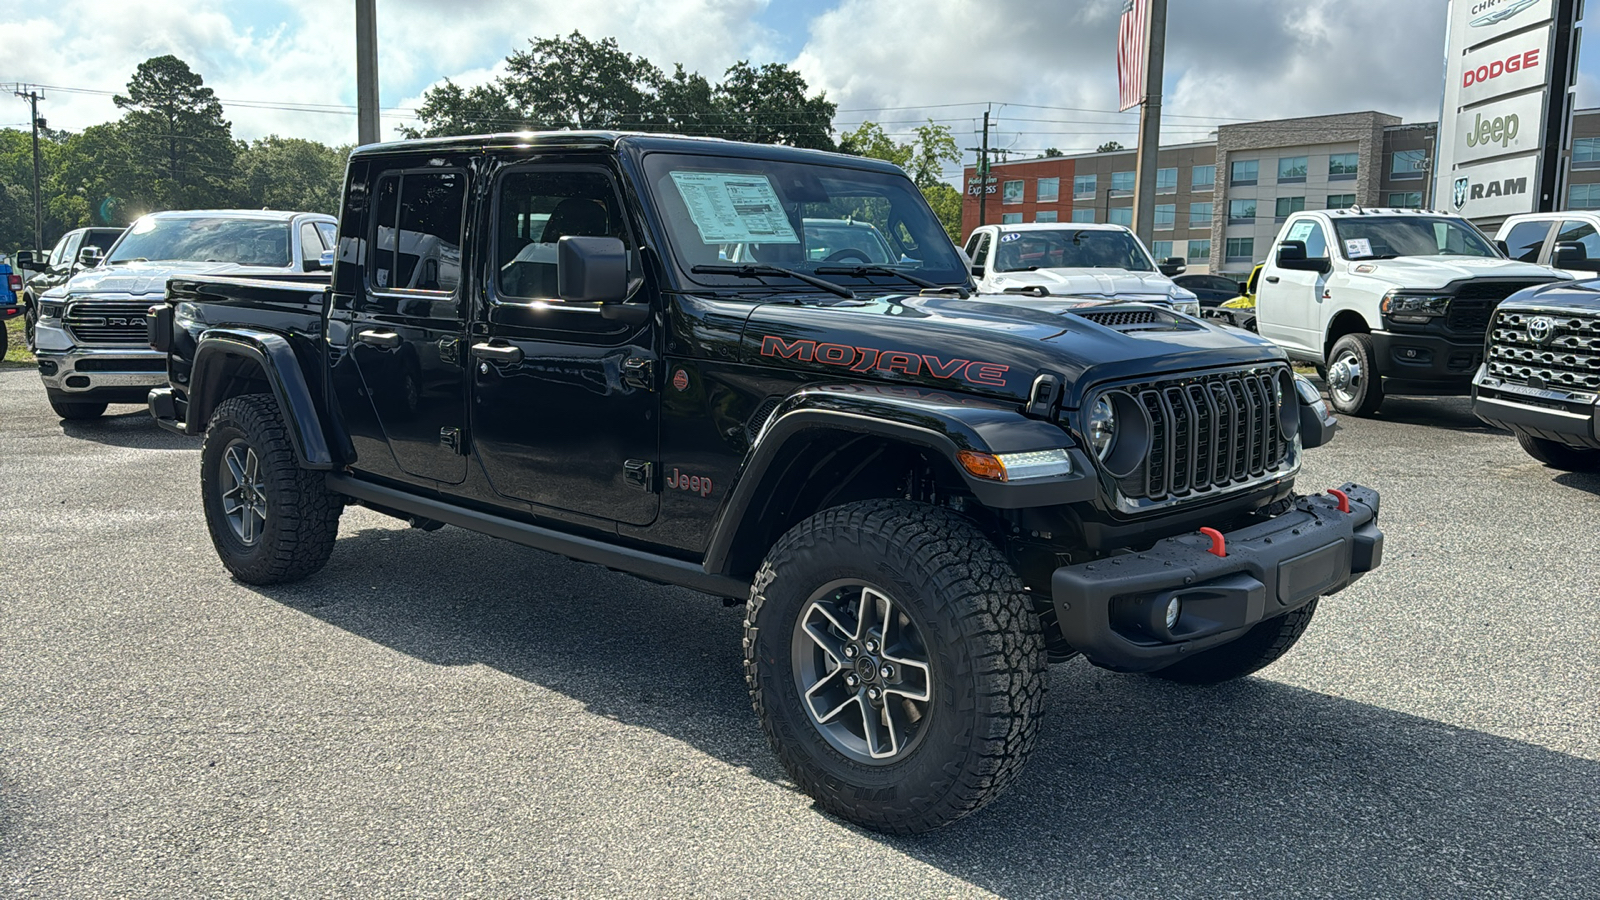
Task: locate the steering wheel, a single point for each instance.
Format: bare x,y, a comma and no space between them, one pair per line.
846,253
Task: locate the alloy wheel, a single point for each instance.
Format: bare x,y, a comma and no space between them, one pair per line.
244,492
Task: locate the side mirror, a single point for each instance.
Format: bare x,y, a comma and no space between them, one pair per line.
1173,265
29,259
592,269
89,257
1504,249
1292,256
1570,255
325,261
1244,288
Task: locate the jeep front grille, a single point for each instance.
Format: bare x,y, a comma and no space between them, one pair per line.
1568,358
1209,433
107,321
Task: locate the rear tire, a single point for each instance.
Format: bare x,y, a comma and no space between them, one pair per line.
270,520
896,664
1260,647
75,410
1354,386
1560,456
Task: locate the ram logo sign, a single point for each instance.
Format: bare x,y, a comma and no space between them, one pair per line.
1460,193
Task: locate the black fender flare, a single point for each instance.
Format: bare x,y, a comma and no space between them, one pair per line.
276,358
942,423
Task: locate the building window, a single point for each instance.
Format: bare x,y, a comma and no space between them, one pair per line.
1343,166
1122,215
1241,250
1200,251
1166,181
1045,216
1011,192
1083,187
1083,215
1245,171
1122,181
1341,201
1166,216
1011,218
1242,212
1049,190
1292,170
1406,200
1161,250
1408,164
1583,196
1200,215
1288,206
1203,178
1586,153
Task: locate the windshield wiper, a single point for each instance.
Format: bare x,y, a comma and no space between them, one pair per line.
757,270
873,269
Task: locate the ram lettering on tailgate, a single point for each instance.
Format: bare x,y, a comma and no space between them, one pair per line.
867,359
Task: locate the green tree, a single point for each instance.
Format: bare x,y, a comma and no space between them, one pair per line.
1107,147
448,109
1052,152
769,106
292,174
923,158
178,141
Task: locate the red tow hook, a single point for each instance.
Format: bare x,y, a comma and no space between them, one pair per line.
1219,546
1344,499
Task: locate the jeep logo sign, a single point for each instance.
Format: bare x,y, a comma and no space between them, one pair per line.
1501,130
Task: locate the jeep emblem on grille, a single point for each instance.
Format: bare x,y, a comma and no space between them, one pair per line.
1540,328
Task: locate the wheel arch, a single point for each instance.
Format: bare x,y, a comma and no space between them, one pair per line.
1345,321
232,362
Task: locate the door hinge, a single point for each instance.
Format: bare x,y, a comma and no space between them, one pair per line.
640,473
450,350
639,372
451,437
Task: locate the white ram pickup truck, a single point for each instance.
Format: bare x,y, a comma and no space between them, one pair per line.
1386,300
1097,262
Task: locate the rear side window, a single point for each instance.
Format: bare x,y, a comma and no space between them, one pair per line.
417,231
1525,239
1580,233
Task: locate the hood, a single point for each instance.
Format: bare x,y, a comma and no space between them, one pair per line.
1109,283
1568,296
1429,272
151,277
993,345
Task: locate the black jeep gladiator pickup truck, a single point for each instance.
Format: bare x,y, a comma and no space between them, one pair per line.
693,360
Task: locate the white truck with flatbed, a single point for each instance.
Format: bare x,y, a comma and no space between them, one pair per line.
1386,300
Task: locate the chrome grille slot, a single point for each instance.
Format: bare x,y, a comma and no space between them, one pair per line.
107,321
1569,358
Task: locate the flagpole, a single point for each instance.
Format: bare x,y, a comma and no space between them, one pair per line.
1144,197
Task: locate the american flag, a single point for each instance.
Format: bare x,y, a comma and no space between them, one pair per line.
1131,60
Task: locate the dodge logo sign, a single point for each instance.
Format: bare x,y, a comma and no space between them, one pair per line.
1460,192
1540,328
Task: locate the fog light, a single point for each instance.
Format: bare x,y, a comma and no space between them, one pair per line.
1174,609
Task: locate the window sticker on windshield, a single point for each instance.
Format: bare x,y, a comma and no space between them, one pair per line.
734,208
1301,230
1012,236
1358,248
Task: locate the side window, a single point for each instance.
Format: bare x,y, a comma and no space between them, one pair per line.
330,234
1526,239
1316,243
69,248
310,243
417,231
1582,233
534,210
972,245
981,256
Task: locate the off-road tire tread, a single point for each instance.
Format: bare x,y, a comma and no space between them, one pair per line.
303,520
1260,647
1373,398
981,599
1560,456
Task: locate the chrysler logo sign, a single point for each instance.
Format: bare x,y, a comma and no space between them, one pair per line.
1540,328
1499,13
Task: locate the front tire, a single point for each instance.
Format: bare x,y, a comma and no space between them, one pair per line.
74,410
30,316
1560,456
896,664
1258,648
1354,386
270,520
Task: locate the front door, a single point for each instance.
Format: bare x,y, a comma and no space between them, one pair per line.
1304,306
565,402
404,366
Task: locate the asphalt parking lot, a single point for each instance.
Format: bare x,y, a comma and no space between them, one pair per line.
447,715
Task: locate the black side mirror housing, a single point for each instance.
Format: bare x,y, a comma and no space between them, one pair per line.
1504,249
1570,255
1244,288
1292,256
1173,265
592,269
30,260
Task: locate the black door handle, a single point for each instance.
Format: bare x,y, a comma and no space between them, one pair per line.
497,352
388,340
1272,279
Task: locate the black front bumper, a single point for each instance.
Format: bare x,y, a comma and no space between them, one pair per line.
1410,356
1112,610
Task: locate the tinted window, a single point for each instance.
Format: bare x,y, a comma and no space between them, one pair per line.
1526,239
310,243
424,210
1581,233
101,239
534,211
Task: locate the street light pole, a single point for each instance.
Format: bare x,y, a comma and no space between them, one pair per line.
366,72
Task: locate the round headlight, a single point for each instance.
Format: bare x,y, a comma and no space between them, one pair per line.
1102,427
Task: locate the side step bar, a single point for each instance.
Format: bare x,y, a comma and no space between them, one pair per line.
649,566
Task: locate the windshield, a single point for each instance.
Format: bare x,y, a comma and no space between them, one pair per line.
1375,237
801,216
1070,248
247,242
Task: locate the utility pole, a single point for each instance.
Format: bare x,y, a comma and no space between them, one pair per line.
366,72
1144,196
33,97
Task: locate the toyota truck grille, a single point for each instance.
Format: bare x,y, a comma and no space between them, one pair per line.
1562,351
107,321
1210,433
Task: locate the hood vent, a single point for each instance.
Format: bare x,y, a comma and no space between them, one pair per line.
1126,320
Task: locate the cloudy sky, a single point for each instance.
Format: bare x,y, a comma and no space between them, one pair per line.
1046,68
